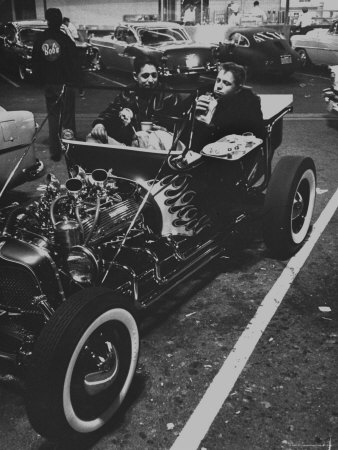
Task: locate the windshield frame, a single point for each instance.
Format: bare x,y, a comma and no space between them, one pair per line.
174,34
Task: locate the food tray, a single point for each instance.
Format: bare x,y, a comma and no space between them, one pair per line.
232,147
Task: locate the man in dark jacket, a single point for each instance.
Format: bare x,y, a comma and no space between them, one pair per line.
54,61
237,110
139,102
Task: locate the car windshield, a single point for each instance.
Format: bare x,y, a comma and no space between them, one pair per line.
264,36
29,35
154,36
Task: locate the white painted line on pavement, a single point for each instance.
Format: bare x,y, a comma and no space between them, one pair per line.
9,80
200,421
108,79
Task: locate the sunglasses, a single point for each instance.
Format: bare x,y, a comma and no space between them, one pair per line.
146,75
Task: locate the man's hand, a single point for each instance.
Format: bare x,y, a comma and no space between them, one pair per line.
202,104
99,132
126,115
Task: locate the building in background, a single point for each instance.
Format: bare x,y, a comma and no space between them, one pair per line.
107,13
325,9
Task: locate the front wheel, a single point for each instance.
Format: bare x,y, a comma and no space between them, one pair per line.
289,204
82,365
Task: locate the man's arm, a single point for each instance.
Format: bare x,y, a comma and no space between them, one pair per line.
115,121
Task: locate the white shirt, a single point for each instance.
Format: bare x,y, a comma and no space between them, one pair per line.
304,20
66,30
189,15
73,30
258,12
234,19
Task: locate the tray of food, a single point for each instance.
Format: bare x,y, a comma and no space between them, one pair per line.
232,147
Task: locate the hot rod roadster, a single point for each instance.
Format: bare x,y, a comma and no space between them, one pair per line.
128,226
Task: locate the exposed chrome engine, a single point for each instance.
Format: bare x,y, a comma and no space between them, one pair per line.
86,210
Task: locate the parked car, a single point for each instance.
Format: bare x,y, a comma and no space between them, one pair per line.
127,227
16,45
17,129
261,50
168,43
331,94
317,22
319,46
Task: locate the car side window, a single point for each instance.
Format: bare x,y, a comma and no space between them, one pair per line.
130,38
240,40
125,35
120,34
335,28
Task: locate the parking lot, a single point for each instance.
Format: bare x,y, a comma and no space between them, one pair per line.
279,394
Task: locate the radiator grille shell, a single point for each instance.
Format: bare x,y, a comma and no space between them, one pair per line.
17,289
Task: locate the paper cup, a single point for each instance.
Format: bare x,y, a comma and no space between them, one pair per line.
146,126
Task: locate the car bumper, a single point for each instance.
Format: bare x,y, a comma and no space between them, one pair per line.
187,72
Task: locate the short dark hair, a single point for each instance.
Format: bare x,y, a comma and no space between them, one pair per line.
305,9
256,3
54,17
238,72
141,60
65,20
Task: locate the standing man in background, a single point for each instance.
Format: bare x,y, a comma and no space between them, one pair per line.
189,16
54,61
71,28
304,21
235,17
259,13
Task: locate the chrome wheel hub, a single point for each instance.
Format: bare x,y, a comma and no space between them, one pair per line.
108,369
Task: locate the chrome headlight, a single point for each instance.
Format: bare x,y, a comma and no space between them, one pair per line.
82,265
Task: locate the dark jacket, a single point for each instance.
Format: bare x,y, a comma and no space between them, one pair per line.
234,114
145,104
54,58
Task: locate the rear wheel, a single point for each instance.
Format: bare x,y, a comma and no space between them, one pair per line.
289,205
83,364
304,58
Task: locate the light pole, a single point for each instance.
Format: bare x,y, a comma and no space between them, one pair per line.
287,9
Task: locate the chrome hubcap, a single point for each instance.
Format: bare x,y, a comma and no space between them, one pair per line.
108,369
298,206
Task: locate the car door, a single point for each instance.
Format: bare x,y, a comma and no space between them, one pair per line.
327,50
